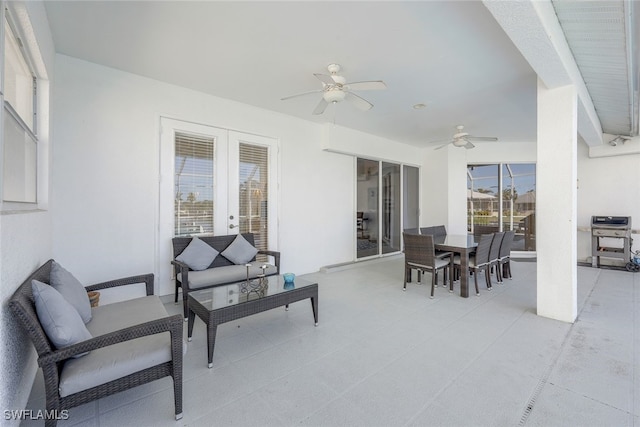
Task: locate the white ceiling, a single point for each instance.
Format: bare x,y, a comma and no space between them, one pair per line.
450,55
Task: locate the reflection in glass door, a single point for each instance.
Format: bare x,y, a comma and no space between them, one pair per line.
410,197
503,197
390,208
367,190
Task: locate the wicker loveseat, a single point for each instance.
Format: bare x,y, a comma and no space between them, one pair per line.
221,271
133,342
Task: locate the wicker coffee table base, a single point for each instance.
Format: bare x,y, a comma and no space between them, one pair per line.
213,318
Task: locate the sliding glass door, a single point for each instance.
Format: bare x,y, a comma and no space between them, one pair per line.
367,190
386,197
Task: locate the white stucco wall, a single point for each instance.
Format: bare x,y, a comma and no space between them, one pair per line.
25,238
606,186
106,188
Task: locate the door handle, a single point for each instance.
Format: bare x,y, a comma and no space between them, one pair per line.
232,226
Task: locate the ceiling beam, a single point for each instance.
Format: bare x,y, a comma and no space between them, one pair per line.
534,29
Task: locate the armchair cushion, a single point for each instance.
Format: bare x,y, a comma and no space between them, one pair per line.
116,361
198,255
72,290
240,251
59,319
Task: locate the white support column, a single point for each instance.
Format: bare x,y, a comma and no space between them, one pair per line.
456,190
556,206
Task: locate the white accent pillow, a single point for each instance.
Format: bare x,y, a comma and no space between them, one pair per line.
198,255
240,251
71,289
59,319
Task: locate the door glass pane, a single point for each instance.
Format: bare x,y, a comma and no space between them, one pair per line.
193,184
390,208
411,197
367,208
519,204
482,199
254,185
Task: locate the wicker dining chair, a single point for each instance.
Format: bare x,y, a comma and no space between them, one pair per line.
504,261
494,255
480,261
419,254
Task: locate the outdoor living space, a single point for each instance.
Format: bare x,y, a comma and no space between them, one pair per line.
384,357
325,130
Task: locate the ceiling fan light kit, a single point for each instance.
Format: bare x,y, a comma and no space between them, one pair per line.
334,95
335,89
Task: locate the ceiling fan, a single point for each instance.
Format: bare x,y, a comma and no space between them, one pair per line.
463,139
335,89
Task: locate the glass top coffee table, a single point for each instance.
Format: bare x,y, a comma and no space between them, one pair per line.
230,302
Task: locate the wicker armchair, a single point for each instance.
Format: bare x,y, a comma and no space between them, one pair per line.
53,361
419,253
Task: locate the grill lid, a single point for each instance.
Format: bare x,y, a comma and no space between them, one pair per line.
611,221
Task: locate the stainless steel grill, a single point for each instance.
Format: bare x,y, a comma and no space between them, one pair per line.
610,227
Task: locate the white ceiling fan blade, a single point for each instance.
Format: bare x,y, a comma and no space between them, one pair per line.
481,138
442,146
358,101
469,145
300,94
328,80
368,85
322,105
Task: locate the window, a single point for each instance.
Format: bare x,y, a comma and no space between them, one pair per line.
503,197
193,183
254,193
20,142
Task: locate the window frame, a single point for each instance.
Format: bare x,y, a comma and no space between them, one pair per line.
13,15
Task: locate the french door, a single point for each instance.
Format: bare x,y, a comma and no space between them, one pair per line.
214,181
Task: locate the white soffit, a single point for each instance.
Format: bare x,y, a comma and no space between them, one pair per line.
600,35
534,29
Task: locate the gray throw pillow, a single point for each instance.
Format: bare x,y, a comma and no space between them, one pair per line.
59,319
198,255
71,289
240,251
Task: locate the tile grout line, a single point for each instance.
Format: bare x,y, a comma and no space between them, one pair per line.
545,377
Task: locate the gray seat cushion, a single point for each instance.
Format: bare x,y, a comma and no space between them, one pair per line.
227,274
116,361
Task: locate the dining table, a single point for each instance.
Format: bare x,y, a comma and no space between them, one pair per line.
463,244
